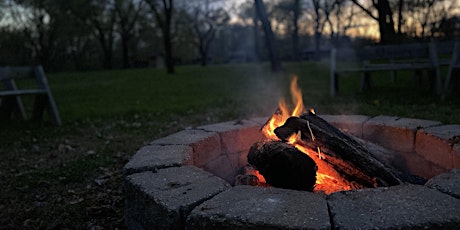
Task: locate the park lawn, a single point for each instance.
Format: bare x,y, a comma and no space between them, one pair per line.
71,177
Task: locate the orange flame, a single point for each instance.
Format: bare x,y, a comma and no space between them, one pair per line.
284,112
327,179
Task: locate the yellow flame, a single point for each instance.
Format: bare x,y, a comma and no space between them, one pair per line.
284,113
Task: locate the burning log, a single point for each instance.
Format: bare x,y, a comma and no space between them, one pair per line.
348,157
317,152
283,165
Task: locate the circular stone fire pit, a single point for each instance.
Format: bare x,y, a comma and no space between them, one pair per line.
184,181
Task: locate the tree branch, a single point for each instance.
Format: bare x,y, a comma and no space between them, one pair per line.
368,12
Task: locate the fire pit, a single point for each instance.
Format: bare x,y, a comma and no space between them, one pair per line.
371,177
185,180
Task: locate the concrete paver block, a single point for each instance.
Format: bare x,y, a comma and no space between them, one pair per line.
417,165
224,166
352,124
260,120
236,136
247,207
152,157
398,207
394,132
162,200
435,144
456,155
448,183
206,145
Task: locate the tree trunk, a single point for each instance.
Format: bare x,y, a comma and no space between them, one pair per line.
295,33
125,50
255,20
386,23
164,18
317,32
269,38
168,51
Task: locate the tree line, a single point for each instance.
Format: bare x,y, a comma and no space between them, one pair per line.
67,35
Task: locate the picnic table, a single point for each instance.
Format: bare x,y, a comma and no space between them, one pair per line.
11,103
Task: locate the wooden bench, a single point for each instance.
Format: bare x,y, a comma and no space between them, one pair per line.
416,57
454,69
10,96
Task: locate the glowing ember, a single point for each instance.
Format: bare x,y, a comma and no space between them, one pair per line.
327,179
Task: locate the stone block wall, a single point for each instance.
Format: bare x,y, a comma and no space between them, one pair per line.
183,181
423,147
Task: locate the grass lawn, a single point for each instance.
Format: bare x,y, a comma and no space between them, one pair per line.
70,177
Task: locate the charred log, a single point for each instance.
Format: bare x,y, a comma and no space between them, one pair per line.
348,157
283,166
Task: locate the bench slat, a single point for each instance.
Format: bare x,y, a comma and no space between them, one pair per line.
386,67
22,92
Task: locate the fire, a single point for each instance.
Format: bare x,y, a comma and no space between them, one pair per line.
327,179
284,112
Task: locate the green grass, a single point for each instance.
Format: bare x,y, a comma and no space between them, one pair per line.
241,90
70,177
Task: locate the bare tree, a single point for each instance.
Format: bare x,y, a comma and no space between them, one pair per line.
321,11
287,13
163,13
127,12
269,37
295,33
207,18
384,18
100,17
424,16
40,23
344,16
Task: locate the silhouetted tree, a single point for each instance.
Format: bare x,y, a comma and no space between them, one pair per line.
127,12
100,18
163,13
269,37
40,22
384,18
207,19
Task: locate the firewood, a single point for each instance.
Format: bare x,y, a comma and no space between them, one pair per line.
348,157
283,166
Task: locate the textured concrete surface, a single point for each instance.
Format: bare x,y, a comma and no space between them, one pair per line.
206,145
162,200
394,132
448,183
235,136
417,165
152,157
398,207
164,187
261,208
435,144
352,124
456,155
224,166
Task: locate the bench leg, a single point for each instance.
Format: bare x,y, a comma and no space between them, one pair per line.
49,100
43,102
334,86
40,104
365,81
451,83
393,77
12,105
